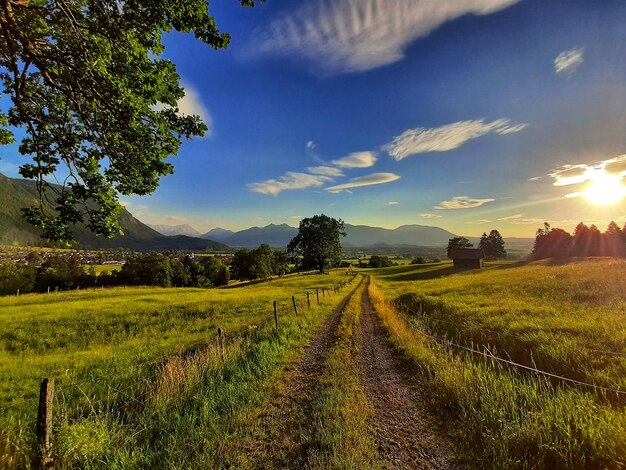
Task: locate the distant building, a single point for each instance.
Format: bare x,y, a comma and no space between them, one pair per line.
467,258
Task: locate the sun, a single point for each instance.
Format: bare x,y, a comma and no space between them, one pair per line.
605,190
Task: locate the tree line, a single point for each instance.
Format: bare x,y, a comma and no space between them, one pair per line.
147,269
586,241
492,245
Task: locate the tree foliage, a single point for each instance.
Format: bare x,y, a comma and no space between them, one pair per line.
492,245
259,263
379,262
456,243
318,242
96,103
586,241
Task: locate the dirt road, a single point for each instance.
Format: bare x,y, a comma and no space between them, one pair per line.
406,435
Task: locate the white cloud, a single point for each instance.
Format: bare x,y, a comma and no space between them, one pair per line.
124,203
374,178
290,180
427,215
463,202
342,36
310,145
581,172
568,61
392,203
527,221
512,217
535,178
191,105
479,222
447,137
325,170
357,160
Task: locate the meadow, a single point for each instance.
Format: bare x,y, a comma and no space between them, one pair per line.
137,369
568,319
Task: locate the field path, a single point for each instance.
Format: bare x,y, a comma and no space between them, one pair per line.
280,436
406,435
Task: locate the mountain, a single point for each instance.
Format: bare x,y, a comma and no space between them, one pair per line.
14,230
218,234
423,235
273,235
170,230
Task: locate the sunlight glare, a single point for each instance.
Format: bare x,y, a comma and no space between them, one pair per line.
605,189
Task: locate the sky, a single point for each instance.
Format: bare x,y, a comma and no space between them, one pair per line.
465,114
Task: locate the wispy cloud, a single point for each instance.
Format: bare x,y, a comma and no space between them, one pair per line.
428,215
357,160
463,202
512,217
526,221
289,181
310,145
191,105
447,137
479,222
392,203
579,173
374,178
325,170
568,61
342,36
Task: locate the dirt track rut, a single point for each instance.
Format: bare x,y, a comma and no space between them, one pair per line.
406,435
286,423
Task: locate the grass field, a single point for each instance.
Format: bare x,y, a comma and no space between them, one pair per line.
569,316
137,369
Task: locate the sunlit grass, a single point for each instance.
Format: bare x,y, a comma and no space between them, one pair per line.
122,356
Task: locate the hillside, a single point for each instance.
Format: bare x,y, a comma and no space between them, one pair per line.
14,230
218,234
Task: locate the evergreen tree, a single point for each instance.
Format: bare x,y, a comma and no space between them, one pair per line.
496,246
582,240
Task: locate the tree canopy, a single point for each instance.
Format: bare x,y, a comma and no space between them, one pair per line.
456,243
96,104
318,242
492,245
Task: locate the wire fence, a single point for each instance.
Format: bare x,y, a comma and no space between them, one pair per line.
487,354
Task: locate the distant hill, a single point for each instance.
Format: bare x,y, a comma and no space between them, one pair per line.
170,230
14,230
273,235
422,235
218,234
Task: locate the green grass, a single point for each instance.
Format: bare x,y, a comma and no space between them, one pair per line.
558,317
136,369
509,419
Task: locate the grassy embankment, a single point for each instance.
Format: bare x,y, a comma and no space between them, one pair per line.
140,382
511,419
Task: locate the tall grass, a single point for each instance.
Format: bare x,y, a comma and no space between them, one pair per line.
506,419
566,319
139,381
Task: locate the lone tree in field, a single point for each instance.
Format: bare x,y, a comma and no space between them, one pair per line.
456,243
94,100
318,242
492,245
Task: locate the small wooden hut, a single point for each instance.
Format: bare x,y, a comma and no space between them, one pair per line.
467,258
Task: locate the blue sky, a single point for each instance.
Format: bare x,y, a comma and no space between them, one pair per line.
468,115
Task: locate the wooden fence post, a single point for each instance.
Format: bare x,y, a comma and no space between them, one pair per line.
295,308
220,341
308,300
317,293
323,292
44,421
275,315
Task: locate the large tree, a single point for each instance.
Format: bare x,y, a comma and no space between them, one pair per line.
318,242
95,105
492,245
456,243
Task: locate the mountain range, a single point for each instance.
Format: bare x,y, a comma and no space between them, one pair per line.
16,194
361,236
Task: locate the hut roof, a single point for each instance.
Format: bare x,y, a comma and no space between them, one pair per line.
467,253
